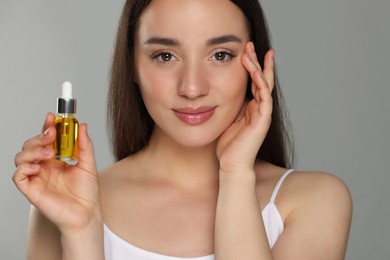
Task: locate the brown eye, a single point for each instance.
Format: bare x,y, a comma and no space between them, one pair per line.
222,56
163,56
166,56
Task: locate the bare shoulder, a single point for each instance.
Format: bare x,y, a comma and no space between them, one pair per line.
318,189
118,172
112,171
303,188
114,180
116,184
320,181
317,211
306,183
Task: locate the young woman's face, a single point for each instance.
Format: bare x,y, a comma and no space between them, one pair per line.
188,59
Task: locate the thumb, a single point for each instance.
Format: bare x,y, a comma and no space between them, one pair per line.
86,154
242,111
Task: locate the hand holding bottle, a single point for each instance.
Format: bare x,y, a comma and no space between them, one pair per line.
68,195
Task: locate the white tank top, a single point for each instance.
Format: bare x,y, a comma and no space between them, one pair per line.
115,248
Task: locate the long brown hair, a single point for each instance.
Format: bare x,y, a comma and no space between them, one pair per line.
130,124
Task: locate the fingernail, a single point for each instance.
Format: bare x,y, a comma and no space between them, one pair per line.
34,166
252,46
47,151
47,131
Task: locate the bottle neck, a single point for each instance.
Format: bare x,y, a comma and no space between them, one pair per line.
66,115
66,106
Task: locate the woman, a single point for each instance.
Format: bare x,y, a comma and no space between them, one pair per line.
198,133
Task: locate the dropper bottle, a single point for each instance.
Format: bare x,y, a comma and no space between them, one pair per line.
66,144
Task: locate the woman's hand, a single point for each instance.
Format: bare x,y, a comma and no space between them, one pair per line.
67,195
238,146
238,221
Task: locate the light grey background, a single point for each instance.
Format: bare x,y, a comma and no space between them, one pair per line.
334,64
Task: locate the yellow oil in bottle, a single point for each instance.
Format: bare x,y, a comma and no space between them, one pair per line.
66,143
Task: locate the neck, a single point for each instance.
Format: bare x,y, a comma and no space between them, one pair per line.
183,165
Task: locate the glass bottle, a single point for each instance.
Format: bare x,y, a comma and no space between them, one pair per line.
66,143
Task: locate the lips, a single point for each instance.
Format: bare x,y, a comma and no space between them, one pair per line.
194,116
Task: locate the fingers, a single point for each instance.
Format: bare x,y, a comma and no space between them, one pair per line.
268,70
241,113
37,148
250,50
49,121
259,84
22,175
86,152
250,62
34,150
262,80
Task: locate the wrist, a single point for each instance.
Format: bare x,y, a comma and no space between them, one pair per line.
85,243
238,177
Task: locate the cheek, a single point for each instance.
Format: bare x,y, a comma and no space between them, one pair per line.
231,82
154,84
239,79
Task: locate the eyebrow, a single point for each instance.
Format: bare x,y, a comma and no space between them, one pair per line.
224,39
174,42
162,41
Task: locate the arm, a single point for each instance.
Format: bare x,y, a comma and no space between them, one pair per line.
45,241
318,226
66,220
44,238
87,243
239,229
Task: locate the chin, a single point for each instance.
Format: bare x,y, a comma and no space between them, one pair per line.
197,140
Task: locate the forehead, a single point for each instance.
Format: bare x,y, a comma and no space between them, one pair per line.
192,20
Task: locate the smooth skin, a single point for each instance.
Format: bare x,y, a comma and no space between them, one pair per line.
67,197
210,199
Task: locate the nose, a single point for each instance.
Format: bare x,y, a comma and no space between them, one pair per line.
193,82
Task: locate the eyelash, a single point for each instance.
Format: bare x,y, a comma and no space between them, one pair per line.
158,56
227,53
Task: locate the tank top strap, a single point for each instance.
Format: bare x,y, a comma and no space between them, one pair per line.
280,182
